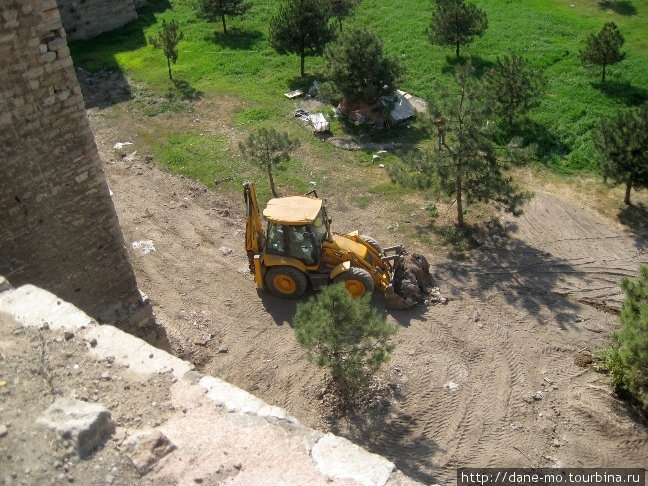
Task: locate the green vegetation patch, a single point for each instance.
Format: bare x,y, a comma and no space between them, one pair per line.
203,157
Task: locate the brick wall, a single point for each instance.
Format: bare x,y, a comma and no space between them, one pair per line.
58,226
83,19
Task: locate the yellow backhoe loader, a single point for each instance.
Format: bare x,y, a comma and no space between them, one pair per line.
298,250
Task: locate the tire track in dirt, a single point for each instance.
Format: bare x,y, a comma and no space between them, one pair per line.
568,250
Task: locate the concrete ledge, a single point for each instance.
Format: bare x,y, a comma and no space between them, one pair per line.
340,458
35,307
130,351
236,400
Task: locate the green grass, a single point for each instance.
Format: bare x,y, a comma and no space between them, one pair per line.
202,157
242,65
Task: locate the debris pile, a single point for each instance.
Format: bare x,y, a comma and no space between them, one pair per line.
413,281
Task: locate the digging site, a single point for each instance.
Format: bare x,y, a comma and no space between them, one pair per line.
497,371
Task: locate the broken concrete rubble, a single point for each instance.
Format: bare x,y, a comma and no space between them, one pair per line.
86,424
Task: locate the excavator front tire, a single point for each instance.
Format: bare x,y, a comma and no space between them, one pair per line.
357,281
287,282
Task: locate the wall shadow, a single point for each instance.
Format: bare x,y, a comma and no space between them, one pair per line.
622,7
103,83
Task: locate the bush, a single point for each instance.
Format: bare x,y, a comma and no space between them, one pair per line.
345,335
627,359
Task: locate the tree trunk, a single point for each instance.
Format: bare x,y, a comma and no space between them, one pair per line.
224,26
457,50
272,184
169,66
603,74
460,220
626,199
303,57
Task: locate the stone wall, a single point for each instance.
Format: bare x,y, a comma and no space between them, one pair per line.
58,226
83,19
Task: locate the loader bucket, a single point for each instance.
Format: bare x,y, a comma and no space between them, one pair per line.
395,301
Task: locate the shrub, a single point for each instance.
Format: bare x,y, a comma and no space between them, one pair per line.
627,358
345,335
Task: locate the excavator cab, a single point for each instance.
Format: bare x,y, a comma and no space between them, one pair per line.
297,228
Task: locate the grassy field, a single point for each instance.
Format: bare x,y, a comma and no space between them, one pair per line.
242,66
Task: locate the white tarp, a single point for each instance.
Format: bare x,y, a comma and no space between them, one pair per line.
319,123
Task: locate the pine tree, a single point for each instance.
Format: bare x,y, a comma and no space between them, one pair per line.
268,148
466,166
167,40
215,10
514,86
363,75
456,23
622,145
603,49
346,335
627,358
341,9
301,27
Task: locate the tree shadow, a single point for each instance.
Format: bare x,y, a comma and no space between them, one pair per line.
622,7
236,38
635,218
382,429
187,91
480,64
549,145
527,277
623,92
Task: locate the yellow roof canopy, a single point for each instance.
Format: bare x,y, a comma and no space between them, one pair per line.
293,210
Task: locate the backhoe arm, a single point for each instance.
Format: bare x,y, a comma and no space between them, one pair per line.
254,234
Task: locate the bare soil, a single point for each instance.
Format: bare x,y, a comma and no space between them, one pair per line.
501,375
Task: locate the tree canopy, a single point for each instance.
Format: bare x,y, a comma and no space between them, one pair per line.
301,27
268,148
603,49
456,23
361,75
466,166
346,335
627,358
167,40
514,86
215,10
622,145
340,9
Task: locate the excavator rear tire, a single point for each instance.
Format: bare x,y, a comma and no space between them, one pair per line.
357,281
287,282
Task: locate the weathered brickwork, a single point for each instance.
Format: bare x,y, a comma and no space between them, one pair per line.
83,19
58,226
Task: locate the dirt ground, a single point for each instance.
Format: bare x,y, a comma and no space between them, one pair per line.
498,376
